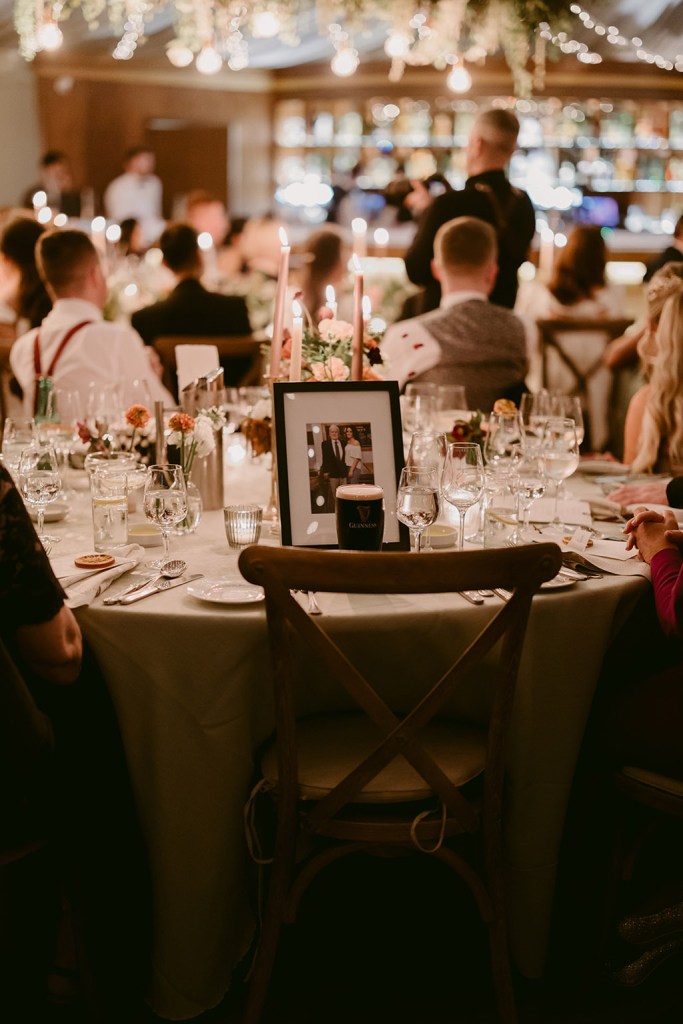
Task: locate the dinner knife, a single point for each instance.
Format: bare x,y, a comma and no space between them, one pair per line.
157,588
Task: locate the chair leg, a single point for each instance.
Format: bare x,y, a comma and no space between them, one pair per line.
498,936
278,890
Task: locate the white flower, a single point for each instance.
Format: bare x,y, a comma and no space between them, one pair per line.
204,436
332,369
175,438
261,410
335,330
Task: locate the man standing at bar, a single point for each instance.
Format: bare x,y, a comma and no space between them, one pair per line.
487,195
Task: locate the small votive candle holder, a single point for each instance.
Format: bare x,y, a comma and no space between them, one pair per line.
243,524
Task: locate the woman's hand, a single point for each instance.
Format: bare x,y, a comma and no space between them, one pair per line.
651,532
630,494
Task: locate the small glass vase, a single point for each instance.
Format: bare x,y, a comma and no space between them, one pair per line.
194,511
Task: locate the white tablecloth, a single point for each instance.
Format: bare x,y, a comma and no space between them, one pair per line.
191,686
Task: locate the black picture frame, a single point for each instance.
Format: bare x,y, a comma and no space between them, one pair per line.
303,413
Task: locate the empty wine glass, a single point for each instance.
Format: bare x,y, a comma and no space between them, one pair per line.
17,433
569,407
534,410
462,482
530,482
504,432
165,499
560,451
427,451
417,501
39,480
59,427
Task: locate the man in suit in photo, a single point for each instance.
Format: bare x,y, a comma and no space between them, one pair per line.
333,468
191,309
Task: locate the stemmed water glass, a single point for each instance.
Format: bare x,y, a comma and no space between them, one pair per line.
530,482
59,426
427,451
165,500
462,481
417,500
503,434
569,407
534,409
560,451
39,480
16,435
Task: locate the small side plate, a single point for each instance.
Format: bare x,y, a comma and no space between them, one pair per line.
53,513
558,583
225,591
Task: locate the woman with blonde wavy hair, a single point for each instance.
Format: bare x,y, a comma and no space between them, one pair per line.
653,433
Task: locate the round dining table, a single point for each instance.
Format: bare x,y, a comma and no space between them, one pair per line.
191,685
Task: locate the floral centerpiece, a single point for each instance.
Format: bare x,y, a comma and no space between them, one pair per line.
474,429
194,435
326,351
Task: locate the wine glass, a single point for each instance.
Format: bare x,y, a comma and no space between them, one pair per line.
530,481
534,410
165,499
16,435
569,407
560,451
427,451
504,432
39,480
417,500
462,481
59,428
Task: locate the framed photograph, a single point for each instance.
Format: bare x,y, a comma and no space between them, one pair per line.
330,434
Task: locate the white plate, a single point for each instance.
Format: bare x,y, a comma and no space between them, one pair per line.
146,534
53,513
603,467
558,583
224,591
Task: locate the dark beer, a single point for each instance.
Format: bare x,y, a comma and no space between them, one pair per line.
360,517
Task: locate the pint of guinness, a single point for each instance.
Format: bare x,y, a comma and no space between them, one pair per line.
360,517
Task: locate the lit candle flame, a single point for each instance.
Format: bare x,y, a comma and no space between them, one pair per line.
284,241
330,294
296,309
357,268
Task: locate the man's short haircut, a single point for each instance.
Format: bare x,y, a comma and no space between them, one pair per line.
64,257
498,128
465,244
179,248
53,156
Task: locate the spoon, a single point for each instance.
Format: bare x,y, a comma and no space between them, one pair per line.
171,569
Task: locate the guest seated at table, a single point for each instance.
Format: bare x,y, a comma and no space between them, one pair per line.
577,288
468,340
56,181
323,262
191,309
130,243
23,291
653,433
77,795
74,345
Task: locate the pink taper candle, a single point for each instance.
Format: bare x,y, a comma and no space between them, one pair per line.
297,340
357,345
279,306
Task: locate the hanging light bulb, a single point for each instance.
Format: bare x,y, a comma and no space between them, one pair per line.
345,61
208,61
459,79
265,25
49,36
397,44
180,56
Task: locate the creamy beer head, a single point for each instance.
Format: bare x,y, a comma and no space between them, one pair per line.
359,492
360,517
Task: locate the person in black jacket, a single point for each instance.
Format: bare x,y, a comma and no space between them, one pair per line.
191,309
487,195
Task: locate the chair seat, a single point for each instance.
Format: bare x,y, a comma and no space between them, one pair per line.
329,746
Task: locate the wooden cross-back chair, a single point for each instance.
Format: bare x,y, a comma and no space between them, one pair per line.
240,357
370,778
572,359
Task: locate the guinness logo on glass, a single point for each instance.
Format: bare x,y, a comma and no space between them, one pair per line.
360,517
363,513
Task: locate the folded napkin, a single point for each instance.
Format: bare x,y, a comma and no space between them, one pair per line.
82,586
571,511
609,556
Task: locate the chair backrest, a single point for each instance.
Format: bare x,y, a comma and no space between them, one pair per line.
243,350
521,570
572,360
194,361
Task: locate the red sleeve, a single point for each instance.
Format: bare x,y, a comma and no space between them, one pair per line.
667,579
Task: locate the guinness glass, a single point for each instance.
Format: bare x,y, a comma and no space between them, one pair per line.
360,517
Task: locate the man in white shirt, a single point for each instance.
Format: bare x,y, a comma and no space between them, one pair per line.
137,193
467,340
96,351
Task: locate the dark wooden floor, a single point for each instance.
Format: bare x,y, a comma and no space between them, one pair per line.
398,941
